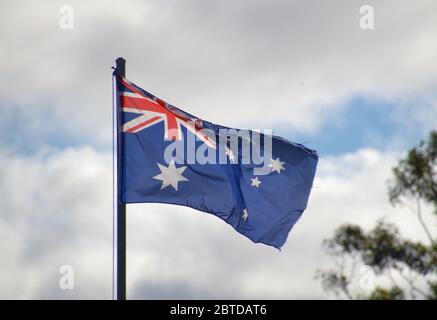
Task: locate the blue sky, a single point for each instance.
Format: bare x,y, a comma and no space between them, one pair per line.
360,123
364,122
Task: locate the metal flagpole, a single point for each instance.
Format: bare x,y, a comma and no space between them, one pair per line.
120,70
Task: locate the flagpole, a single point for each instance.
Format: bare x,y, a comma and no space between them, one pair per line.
120,70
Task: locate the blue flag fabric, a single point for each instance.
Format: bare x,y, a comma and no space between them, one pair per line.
263,207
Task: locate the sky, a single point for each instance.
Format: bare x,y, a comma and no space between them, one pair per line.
305,69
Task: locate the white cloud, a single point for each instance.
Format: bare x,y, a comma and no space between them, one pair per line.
254,63
56,209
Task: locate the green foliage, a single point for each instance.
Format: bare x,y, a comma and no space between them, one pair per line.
335,282
416,176
432,295
382,248
394,293
348,238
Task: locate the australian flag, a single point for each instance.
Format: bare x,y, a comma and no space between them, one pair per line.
254,181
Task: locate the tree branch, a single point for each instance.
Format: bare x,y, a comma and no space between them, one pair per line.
411,283
422,222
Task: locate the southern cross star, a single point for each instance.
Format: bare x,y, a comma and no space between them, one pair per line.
255,182
277,165
170,176
245,215
230,154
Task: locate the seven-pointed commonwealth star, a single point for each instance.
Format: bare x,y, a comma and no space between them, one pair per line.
255,182
277,165
170,175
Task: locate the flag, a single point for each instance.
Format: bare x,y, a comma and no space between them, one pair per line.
256,182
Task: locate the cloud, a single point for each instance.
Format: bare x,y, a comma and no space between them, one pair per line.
252,63
56,210
292,65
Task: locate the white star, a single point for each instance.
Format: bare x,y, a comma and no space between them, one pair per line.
245,215
170,175
277,165
255,182
230,154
